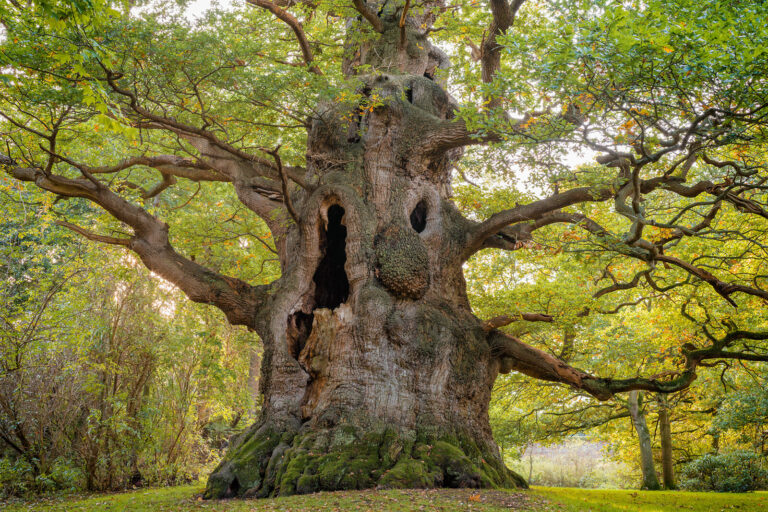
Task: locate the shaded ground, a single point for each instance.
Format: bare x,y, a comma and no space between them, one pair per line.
184,498
542,499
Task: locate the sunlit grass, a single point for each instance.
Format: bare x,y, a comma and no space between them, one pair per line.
599,500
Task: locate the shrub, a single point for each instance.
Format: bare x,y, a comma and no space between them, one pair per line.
738,471
16,477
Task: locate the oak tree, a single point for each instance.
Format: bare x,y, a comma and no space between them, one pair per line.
338,126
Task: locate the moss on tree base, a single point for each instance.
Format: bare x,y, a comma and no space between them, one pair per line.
268,463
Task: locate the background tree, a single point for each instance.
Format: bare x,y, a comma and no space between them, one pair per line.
331,125
108,379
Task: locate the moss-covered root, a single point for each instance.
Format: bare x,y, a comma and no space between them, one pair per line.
272,464
247,462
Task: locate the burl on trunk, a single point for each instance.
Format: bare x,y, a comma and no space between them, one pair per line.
375,371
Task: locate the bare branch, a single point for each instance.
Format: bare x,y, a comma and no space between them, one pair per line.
93,236
297,28
284,181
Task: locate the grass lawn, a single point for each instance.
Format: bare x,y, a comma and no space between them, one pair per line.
184,498
599,500
540,499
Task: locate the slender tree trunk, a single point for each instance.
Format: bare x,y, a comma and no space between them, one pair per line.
254,367
667,464
650,480
374,371
530,464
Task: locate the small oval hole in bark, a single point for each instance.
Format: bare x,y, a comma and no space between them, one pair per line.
419,216
409,94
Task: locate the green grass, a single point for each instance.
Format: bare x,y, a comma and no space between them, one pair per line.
184,498
598,500
540,499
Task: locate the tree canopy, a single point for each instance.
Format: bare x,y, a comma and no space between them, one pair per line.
664,102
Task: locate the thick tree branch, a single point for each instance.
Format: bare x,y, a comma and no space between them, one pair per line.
531,211
516,355
490,56
502,320
237,299
168,164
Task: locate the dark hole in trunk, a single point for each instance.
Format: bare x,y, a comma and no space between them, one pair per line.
409,94
419,217
299,327
233,489
429,75
331,283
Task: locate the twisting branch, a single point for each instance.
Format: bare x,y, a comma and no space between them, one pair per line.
206,142
94,236
369,15
168,164
616,286
297,28
516,355
284,181
238,300
721,287
498,232
531,211
167,181
645,251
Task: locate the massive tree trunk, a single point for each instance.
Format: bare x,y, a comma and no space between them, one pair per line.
650,480
375,371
